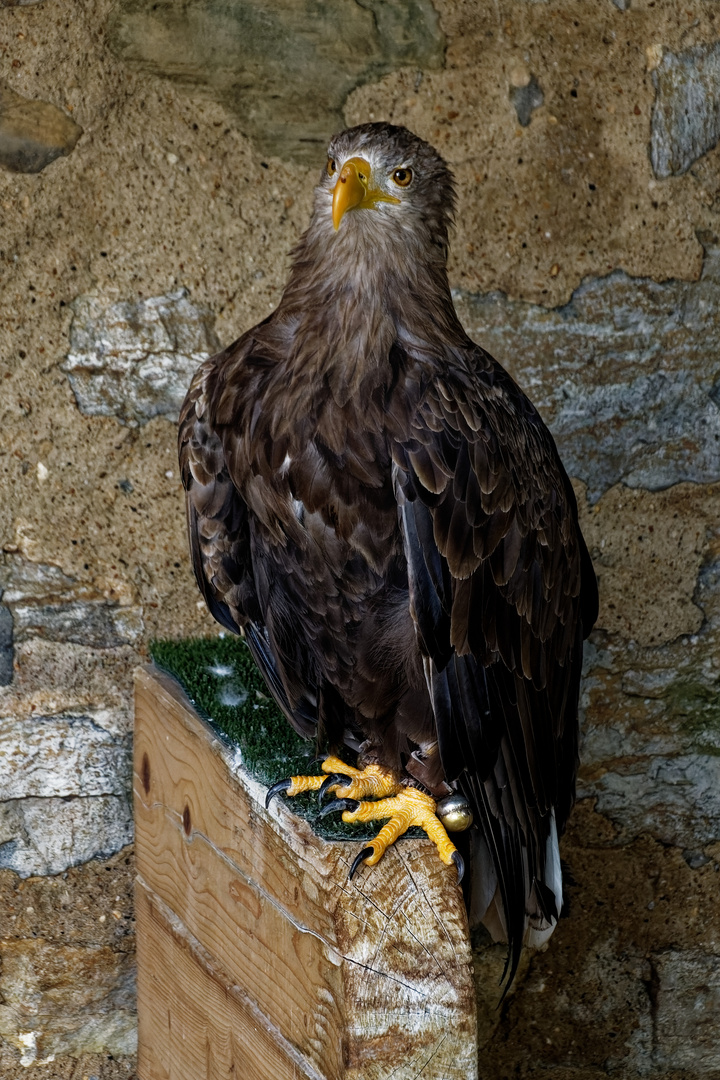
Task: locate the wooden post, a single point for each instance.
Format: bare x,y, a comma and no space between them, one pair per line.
257,958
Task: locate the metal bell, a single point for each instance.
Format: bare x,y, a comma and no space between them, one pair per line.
455,813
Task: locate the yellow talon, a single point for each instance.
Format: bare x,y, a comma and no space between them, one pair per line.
374,781
299,784
409,807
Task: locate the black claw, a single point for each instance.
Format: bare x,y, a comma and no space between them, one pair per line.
366,851
277,789
316,760
460,863
333,778
339,804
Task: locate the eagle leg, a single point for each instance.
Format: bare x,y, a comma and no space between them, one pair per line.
405,808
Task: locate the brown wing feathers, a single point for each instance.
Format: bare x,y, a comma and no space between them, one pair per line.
495,566
220,541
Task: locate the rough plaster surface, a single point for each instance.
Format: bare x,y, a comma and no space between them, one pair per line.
574,193
592,275
649,561
66,972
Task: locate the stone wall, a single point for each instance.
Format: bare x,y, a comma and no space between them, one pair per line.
156,166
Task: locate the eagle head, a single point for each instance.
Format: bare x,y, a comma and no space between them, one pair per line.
383,183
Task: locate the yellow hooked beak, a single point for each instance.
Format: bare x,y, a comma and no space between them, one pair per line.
353,189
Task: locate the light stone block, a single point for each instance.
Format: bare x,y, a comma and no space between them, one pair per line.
134,359
46,836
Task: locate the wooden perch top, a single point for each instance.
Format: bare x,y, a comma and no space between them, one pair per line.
252,940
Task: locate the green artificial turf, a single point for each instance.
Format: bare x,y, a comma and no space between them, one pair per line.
220,678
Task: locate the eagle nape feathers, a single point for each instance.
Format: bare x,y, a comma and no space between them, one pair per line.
380,510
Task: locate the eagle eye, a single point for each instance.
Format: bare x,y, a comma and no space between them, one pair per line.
402,177
331,166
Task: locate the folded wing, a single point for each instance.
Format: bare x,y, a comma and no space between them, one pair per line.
220,544
502,592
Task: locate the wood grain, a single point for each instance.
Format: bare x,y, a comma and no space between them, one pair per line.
359,980
194,1022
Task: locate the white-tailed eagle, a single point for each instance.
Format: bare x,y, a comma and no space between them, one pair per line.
376,505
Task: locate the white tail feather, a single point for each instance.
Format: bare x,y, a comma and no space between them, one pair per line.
485,901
